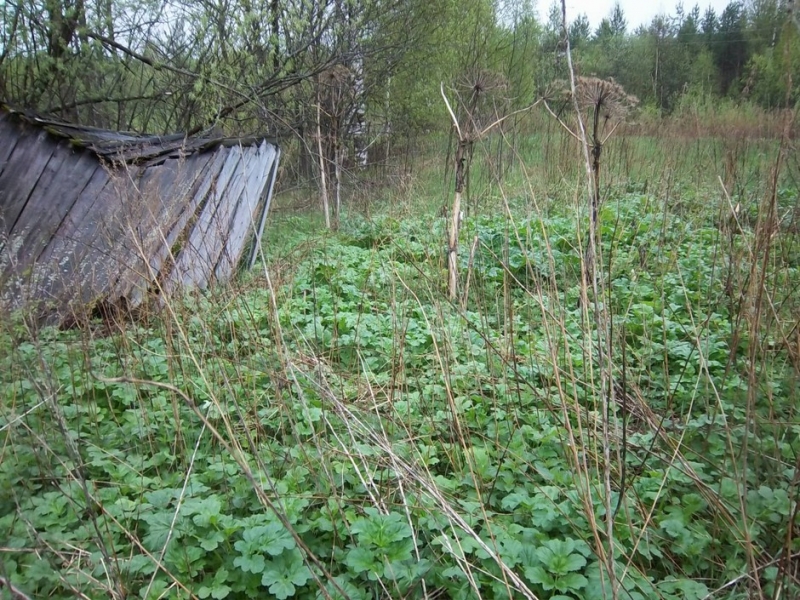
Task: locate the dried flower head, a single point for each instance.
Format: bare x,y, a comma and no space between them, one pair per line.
481,81
335,75
605,96
482,96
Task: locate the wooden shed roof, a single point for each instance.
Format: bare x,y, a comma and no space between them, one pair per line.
89,215
131,148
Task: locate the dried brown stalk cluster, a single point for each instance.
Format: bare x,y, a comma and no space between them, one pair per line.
605,96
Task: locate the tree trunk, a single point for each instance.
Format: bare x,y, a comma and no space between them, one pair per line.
455,221
337,178
323,171
358,127
274,8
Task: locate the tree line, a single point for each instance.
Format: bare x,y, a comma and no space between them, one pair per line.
744,52
339,75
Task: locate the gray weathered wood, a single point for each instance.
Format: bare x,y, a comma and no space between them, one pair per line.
179,235
96,216
227,212
9,132
54,195
194,263
246,215
23,168
262,220
164,198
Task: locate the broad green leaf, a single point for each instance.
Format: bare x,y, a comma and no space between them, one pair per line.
250,563
361,560
280,588
211,540
205,511
540,576
573,562
161,498
571,581
159,526
218,592
352,592
400,551
284,573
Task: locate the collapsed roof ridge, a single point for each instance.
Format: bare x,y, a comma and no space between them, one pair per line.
128,147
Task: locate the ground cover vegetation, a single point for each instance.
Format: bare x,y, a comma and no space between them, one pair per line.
605,406
335,405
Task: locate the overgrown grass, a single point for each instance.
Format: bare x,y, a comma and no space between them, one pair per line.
332,426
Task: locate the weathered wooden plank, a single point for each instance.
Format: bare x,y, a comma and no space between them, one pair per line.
181,230
76,179
22,172
192,176
87,234
128,227
76,223
244,219
205,241
16,268
10,134
158,187
227,210
56,273
262,220
113,253
158,195
47,276
262,187
193,266
240,205
199,193
177,197
51,199
164,198
242,231
72,243
92,262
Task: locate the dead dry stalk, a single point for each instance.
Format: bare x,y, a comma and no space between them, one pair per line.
599,96
468,132
323,182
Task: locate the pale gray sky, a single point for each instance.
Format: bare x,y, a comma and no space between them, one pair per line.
637,12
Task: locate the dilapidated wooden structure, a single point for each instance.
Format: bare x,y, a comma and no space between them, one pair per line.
91,217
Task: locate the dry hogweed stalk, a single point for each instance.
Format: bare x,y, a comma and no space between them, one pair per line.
605,104
483,97
604,97
482,106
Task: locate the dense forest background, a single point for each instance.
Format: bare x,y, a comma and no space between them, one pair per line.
372,67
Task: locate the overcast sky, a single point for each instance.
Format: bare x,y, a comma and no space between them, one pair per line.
637,12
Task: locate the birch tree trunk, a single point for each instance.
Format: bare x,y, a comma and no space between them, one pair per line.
358,128
323,172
